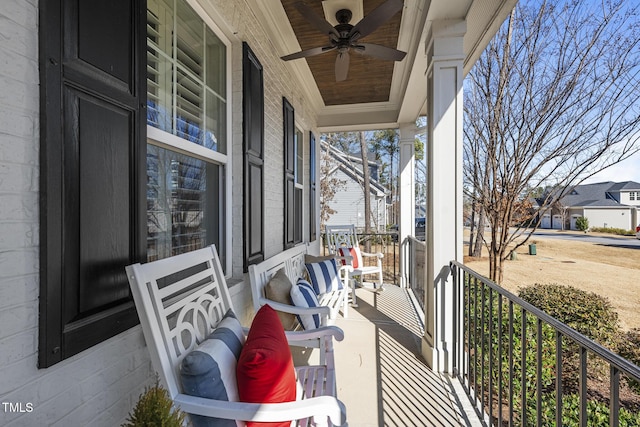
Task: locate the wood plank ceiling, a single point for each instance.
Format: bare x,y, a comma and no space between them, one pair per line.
369,79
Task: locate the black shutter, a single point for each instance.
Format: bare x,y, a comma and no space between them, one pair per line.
313,214
289,173
253,132
92,170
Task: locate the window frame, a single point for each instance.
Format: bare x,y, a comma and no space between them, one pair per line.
171,142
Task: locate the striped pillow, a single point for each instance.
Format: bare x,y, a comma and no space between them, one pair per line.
303,295
210,369
324,276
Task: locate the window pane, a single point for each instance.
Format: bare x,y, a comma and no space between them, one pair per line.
159,88
298,154
216,73
183,203
216,125
186,76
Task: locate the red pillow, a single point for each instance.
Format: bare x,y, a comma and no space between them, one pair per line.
265,372
355,254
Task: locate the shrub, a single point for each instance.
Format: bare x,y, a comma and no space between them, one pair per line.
597,413
588,313
611,230
629,348
582,223
154,408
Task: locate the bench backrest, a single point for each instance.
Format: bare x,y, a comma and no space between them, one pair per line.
180,300
292,260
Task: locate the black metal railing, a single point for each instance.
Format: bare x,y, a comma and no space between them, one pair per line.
385,243
521,366
414,266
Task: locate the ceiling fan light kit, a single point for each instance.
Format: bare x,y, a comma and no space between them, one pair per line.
344,37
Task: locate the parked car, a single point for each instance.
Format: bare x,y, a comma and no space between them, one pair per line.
638,232
419,231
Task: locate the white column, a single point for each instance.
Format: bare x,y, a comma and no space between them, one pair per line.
407,186
444,186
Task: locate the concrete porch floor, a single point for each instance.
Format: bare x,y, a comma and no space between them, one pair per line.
382,378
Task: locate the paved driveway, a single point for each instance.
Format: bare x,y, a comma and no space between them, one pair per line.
615,241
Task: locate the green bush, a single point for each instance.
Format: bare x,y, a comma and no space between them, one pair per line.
629,348
154,409
597,413
582,223
588,313
611,230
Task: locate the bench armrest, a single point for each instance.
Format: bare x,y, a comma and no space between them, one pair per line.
292,309
318,407
323,331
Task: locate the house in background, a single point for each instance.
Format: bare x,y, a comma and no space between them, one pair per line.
348,203
604,204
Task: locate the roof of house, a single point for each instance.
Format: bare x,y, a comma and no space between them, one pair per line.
598,194
352,166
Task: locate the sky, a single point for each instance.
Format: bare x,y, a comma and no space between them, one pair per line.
627,170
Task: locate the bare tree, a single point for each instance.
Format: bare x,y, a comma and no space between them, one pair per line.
329,186
551,101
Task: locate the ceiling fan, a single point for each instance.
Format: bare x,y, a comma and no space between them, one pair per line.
344,36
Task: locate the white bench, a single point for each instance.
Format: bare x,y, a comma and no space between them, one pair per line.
293,262
180,301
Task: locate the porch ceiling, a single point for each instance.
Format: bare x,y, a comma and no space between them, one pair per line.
376,93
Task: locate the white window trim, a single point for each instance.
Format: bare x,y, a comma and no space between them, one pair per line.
167,140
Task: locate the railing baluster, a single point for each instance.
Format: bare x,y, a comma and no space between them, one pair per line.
491,354
523,367
467,283
482,345
475,338
558,379
510,364
583,386
500,397
539,375
614,402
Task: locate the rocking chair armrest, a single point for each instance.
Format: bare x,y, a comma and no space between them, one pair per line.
377,254
319,407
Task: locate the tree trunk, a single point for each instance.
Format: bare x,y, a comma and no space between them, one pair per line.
472,228
366,188
477,249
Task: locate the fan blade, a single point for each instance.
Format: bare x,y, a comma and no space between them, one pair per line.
377,17
380,52
322,25
342,66
307,53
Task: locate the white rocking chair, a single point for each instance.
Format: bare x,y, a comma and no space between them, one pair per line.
345,236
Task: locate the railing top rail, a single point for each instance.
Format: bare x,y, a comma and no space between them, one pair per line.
614,359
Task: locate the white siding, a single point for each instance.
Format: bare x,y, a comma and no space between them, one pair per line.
613,218
99,386
349,205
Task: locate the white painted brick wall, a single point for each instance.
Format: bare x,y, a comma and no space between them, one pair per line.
99,386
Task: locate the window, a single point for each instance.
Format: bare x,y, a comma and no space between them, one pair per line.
292,178
633,195
187,109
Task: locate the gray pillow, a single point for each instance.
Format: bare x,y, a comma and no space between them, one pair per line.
210,369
